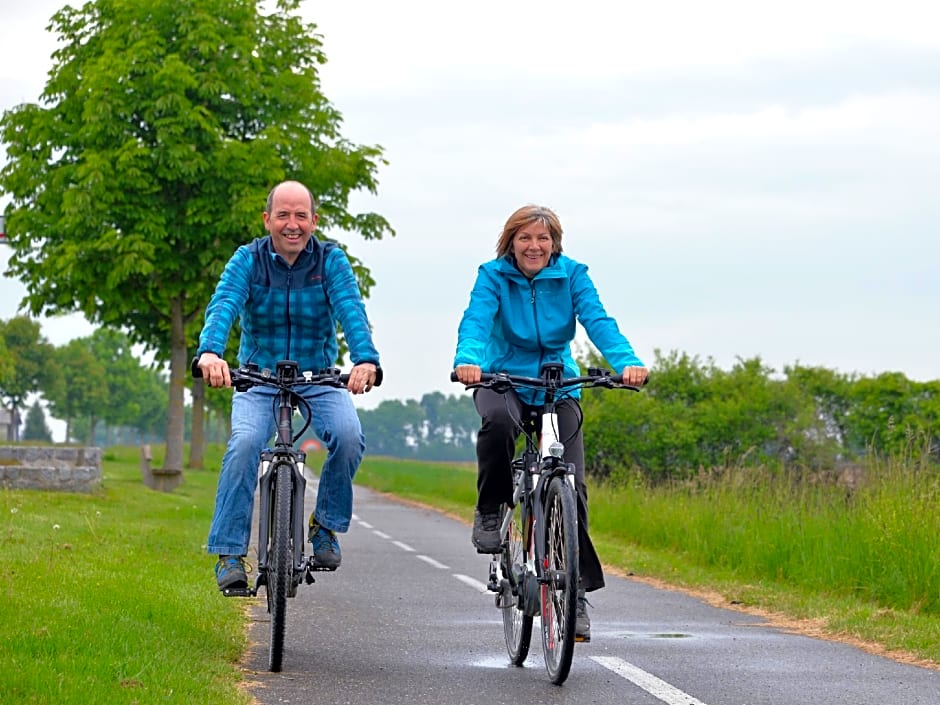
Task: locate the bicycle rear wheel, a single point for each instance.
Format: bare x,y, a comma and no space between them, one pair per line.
280,560
517,625
559,591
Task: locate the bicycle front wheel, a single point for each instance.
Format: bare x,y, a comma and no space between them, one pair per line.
559,589
280,560
517,625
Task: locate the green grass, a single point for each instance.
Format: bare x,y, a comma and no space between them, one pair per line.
860,565
109,597
451,487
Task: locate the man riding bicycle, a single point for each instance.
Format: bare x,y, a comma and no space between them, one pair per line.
289,290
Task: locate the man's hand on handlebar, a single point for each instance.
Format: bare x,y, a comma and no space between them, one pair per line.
634,376
362,378
214,370
468,374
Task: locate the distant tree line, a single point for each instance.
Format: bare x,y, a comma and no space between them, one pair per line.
96,385
692,417
695,417
437,427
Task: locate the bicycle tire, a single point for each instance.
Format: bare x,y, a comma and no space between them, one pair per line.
517,625
559,590
280,562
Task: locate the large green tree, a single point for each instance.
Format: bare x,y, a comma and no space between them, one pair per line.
147,161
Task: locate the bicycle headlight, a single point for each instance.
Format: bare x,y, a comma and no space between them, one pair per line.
556,450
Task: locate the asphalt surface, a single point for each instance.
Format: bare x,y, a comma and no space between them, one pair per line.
406,619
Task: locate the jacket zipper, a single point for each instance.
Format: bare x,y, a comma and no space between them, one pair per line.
535,317
290,273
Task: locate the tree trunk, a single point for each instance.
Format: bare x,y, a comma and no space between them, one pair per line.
179,366
197,437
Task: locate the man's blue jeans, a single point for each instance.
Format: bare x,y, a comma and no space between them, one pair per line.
336,424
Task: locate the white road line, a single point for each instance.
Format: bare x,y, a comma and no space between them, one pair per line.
365,525
403,546
431,561
647,681
472,582
381,534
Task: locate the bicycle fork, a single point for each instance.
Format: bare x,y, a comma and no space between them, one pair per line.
293,472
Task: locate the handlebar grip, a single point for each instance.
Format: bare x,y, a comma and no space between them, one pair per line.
194,368
453,376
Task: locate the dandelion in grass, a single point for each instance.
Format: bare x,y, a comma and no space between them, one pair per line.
15,510
56,527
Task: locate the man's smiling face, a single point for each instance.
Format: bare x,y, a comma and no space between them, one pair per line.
291,221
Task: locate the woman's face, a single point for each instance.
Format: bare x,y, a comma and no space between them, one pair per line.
532,247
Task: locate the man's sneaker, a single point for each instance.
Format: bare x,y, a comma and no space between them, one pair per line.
582,620
230,573
486,531
326,553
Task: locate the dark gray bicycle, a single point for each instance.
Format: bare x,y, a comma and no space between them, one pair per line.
536,571
282,565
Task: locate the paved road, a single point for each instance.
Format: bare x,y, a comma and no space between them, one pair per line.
406,619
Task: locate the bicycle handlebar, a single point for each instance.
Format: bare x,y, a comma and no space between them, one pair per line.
596,377
244,378
248,376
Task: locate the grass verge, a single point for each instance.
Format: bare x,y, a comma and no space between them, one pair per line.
108,597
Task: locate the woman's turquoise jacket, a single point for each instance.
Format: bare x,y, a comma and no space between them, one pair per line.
514,324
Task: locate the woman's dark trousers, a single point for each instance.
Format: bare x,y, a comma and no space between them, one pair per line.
496,446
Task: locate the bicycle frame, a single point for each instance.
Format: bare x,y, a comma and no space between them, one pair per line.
533,471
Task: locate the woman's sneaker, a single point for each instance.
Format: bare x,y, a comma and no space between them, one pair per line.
485,534
230,573
582,620
326,553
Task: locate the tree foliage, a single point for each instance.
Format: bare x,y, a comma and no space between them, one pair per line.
83,390
695,417
438,427
28,366
36,428
147,161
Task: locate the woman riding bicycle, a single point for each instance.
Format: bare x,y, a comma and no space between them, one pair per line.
522,314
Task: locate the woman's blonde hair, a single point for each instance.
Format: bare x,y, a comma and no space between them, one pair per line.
526,216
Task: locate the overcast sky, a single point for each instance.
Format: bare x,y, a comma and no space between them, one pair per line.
742,178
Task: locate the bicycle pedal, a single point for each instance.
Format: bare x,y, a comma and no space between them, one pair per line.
239,592
313,567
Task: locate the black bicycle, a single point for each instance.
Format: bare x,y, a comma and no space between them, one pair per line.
282,565
536,571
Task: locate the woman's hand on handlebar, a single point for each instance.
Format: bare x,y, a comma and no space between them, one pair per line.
361,378
468,374
635,376
214,370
